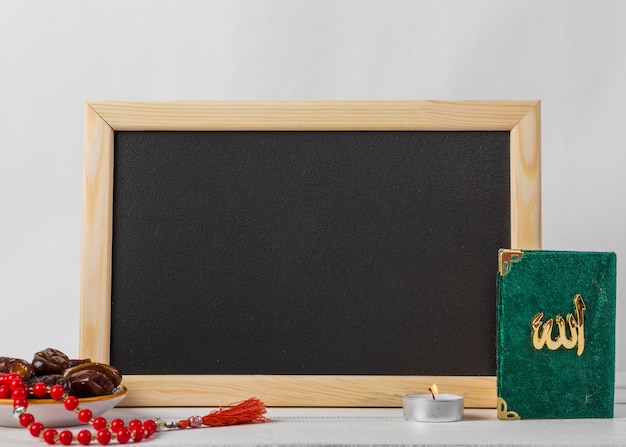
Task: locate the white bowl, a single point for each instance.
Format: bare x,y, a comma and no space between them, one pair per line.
52,413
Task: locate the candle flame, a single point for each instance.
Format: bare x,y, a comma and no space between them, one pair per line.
433,390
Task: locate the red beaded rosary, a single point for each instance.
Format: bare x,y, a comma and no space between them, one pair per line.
12,386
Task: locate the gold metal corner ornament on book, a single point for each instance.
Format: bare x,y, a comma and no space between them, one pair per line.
504,413
506,257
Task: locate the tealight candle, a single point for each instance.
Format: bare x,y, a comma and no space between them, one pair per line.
433,407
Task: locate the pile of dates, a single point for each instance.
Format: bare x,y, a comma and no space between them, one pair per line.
80,378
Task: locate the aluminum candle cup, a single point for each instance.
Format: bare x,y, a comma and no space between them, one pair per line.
423,408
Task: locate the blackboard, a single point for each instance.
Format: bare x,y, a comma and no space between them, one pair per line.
306,252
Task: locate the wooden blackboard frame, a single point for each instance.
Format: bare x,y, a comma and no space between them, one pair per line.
103,119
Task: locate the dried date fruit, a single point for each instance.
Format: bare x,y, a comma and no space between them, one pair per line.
13,365
91,382
79,377
53,379
111,372
50,361
76,362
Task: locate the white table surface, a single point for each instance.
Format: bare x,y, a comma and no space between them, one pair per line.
364,427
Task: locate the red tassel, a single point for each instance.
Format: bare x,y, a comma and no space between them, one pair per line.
248,411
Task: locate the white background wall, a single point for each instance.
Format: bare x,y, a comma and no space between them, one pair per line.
54,55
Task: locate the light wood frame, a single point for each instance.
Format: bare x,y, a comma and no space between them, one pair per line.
102,119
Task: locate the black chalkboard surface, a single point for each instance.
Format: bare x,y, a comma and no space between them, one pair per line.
330,253
307,252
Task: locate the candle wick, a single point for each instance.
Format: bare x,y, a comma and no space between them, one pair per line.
431,393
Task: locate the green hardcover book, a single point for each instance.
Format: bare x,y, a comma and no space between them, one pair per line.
556,334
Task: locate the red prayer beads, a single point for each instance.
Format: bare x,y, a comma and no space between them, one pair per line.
12,386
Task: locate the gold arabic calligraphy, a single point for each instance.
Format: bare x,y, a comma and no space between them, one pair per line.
542,334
